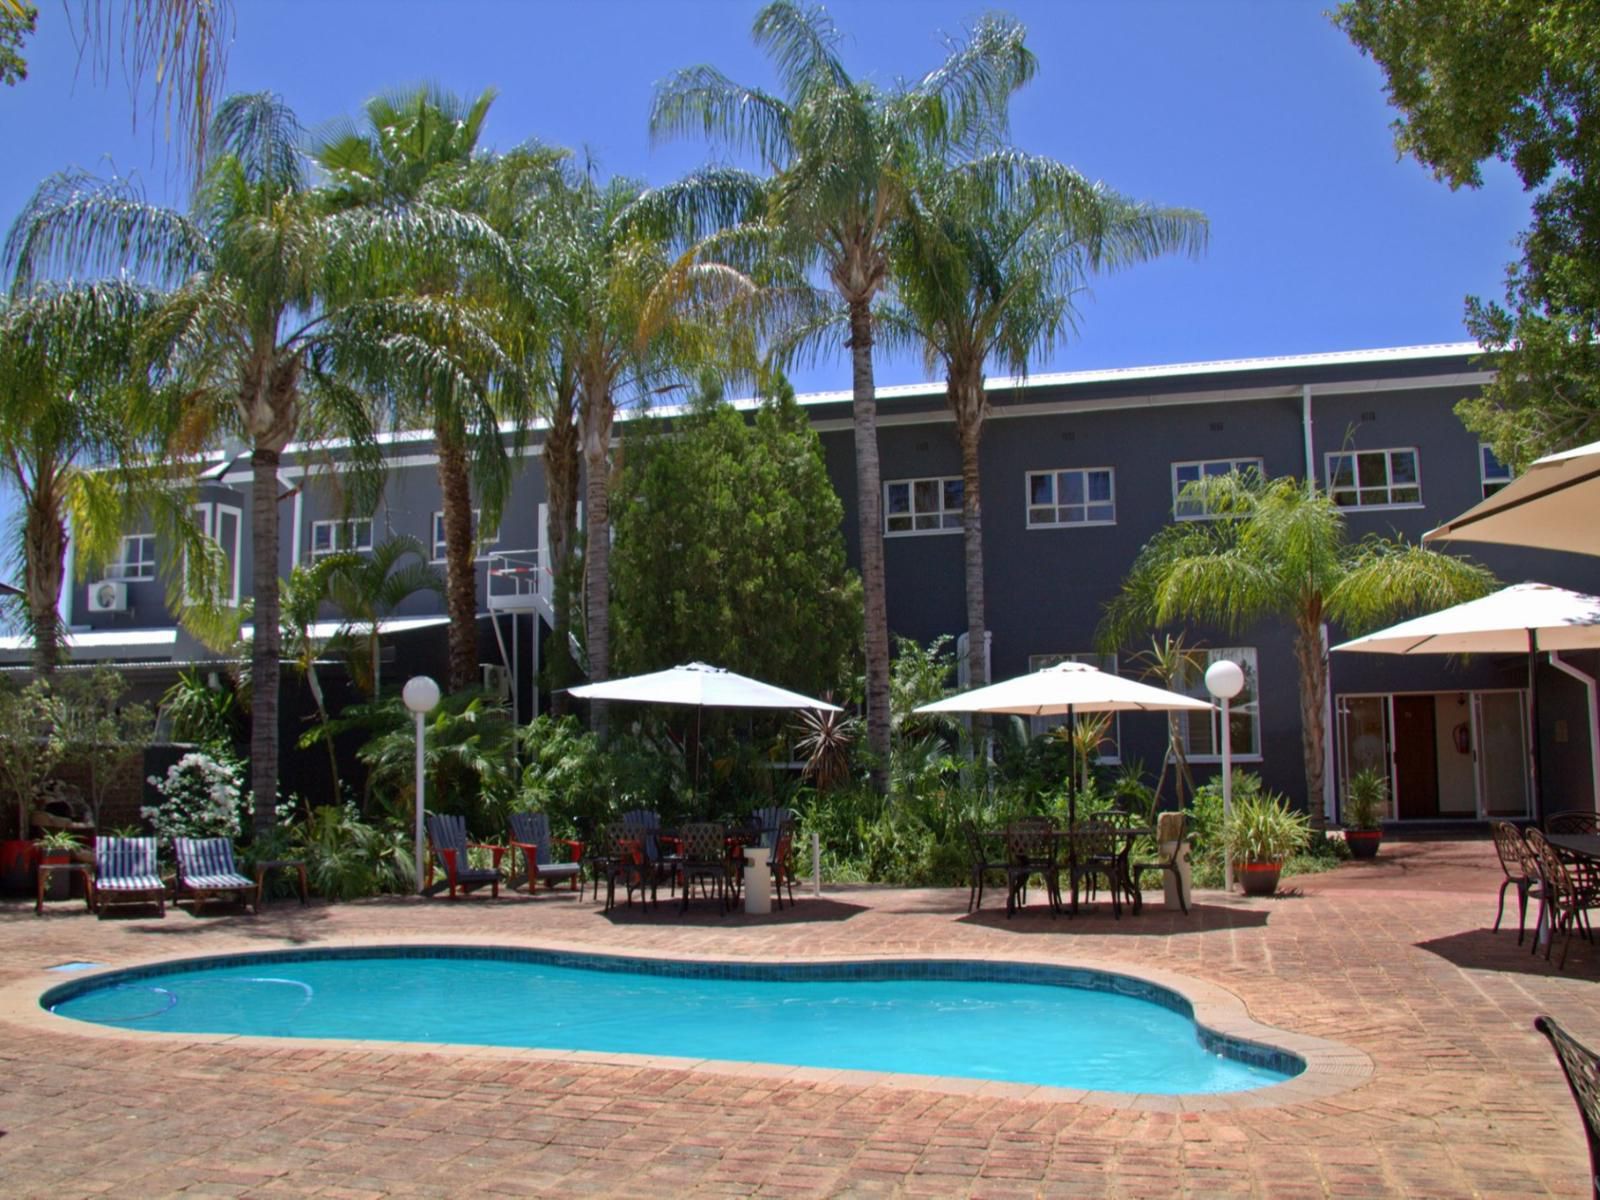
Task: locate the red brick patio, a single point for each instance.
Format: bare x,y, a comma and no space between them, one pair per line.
1393,958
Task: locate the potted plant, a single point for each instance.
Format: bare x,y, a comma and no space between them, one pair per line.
1260,834
1366,795
58,846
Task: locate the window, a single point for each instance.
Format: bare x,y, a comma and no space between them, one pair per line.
488,538
1111,746
922,505
1374,478
223,524
1494,473
1202,731
1185,473
328,537
1082,496
137,558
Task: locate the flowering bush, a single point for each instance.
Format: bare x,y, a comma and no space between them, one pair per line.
203,796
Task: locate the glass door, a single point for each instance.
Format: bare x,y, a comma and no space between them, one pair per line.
1500,734
1364,734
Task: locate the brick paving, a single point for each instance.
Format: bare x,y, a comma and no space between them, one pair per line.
1394,958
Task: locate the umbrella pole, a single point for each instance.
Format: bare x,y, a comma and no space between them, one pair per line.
1072,811
1535,758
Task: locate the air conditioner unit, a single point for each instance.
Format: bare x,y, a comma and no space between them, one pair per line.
109,595
497,682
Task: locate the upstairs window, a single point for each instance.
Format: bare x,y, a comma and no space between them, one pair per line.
1079,496
1185,473
484,537
1374,478
136,559
331,537
1494,473
922,505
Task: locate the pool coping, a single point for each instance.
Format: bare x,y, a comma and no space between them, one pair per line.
1330,1067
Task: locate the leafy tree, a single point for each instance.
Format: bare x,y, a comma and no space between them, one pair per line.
842,154
17,24
367,589
469,757
1281,550
729,550
283,319
99,729
1514,81
30,745
986,266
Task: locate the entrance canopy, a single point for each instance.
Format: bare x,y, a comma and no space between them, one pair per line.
699,686
1551,506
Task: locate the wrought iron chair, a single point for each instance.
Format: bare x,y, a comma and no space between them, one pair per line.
1170,831
1574,822
1561,904
980,864
704,856
1521,870
1581,1066
1030,851
1100,852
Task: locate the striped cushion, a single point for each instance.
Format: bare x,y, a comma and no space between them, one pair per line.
208,863
126,864
213,883
133,883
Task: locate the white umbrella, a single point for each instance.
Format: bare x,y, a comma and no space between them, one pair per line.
1551,506
700,686
1066,689
1523,619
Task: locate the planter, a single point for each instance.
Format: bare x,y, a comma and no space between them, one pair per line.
58,886
1259,879
16,867
1363,843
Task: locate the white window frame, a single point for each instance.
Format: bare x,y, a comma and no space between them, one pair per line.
1104,662
211,515
345,537
1247,658
1054,475
942,514
1389,486
1492,483
1229,465
436,527
134,569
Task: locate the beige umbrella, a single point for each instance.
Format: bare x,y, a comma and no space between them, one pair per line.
1551,506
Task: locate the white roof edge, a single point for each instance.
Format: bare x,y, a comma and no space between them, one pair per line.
1332,358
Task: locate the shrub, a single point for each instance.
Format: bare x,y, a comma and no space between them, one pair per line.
202,796
348,859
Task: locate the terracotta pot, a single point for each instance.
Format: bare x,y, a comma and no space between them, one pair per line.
1363,843
1259,879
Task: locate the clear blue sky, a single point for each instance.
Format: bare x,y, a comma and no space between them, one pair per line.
1257,112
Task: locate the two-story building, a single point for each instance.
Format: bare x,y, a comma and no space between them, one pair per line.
1079,470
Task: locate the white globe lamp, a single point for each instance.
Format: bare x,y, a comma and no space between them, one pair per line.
1225,680
421,696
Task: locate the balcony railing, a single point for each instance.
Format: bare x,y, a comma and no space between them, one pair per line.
520,580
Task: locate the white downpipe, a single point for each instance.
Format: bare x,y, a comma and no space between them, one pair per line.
1306,433
294,550
69,580
1327,732
816,866
1589,687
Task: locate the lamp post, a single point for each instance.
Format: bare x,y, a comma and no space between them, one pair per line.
1225,680
421,696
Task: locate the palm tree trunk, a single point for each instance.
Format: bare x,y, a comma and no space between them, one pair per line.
461,579
561,458
966,401
869,503
45,542
266,646
597,416
1313,665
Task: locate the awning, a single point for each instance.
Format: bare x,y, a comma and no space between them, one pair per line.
101,644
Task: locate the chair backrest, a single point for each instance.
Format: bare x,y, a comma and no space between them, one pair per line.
1169,828
124,858
704,842
643,825
447,831
770,820
1513,851
1574,822
533,829
1031,838
1549,866
1095,839
198,857
1582,1069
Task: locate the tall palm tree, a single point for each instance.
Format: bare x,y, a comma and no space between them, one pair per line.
366,590
283,317
841,154
415,147
76,433
1280,549
986,266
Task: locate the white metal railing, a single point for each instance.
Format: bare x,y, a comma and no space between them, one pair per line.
520,579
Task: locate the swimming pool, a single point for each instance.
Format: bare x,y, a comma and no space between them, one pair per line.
1014,1022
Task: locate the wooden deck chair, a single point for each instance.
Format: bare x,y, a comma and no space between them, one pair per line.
125,872
447,835
530,833
206,869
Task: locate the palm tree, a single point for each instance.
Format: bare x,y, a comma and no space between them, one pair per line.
75,436
370,589
415,148
283,317
986,266
1280,549
841,154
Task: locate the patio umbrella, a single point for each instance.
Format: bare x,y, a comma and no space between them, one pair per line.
698,686
1551,506
1523,619
1066,689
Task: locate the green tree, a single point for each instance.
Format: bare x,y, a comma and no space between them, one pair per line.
986,266
841,153
100,729
17,23
1514,81
368,589
283,319
1281,550
729,550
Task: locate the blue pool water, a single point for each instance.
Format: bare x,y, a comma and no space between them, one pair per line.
1018,1023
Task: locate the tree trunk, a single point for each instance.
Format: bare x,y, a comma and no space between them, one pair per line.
45,539
460,573
561,458
869,504
597,417
266,647
1313,665
966,401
